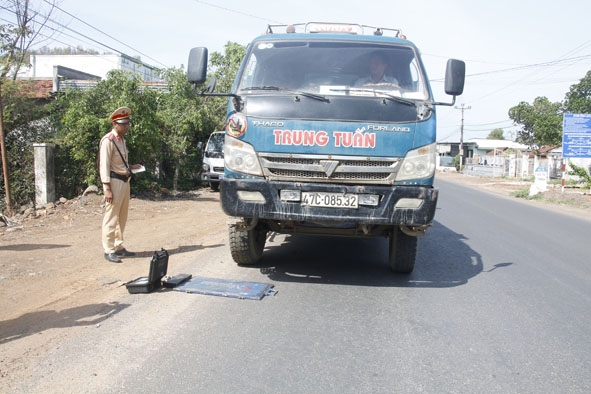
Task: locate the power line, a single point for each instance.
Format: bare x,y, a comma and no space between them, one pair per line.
74,31
236,11
524,67
101,44
492,123
102,32
67,44
572,51
89,38
545,64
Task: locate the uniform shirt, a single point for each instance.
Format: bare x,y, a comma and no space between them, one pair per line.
110,159
369,81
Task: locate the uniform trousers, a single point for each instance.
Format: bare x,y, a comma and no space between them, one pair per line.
116,216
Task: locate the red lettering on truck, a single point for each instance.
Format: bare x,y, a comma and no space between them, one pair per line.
300,137
344,139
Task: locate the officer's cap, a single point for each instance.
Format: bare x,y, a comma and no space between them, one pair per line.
121,115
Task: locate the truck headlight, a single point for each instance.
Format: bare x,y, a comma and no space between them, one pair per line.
241,157
418,163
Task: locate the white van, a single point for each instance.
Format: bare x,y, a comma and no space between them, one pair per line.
213,160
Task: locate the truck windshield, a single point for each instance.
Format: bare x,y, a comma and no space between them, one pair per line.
330,68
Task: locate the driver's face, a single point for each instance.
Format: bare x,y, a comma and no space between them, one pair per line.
376,66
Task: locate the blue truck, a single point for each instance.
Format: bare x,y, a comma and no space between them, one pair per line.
330,130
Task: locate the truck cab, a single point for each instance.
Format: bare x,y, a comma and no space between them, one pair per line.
318,143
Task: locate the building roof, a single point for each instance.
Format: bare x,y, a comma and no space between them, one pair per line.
488,144
40,88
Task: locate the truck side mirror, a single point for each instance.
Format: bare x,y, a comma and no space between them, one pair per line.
455,75
197,65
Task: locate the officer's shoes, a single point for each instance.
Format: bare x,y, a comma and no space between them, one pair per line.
112,257
124,253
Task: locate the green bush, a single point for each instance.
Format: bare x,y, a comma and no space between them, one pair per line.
583,175
167,126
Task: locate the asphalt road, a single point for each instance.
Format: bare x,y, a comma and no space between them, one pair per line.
499,302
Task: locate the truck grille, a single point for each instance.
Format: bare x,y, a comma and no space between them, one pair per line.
331,169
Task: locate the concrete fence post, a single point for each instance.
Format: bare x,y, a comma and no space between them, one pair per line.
44,173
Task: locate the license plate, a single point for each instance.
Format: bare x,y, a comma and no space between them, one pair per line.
330,200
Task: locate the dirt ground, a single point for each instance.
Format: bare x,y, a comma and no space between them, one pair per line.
53,274
54,279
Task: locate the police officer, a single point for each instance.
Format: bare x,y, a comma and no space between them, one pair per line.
115,174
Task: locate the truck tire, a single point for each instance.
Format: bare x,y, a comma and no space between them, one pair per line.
403,252
246,247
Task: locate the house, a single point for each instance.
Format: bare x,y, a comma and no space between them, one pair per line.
41,66
484,148
447,151
487,157
82,71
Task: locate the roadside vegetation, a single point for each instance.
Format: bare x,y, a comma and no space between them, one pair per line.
583,175
524,193
574,194
167,125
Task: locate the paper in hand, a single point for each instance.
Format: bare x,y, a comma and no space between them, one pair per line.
139,169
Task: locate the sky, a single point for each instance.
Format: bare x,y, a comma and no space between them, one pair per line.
514,50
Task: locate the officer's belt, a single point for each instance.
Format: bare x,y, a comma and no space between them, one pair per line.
123,178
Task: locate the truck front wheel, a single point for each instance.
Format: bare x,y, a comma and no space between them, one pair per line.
246,247
403,251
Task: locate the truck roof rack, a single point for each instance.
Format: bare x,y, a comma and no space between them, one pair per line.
333,27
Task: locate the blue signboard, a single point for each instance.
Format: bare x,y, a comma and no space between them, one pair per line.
576,136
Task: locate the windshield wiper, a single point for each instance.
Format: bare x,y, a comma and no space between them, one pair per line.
296,92
378,93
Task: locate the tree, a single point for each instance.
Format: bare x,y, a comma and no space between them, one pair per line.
578,99
79,50
15,40
83,118
188,118
541,123
182,118
496,134
225,67
25,117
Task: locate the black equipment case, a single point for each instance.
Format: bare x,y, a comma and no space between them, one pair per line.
174,281
158,268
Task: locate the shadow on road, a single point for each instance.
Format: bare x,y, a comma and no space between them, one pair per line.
177,250
40,321
444,260
27,247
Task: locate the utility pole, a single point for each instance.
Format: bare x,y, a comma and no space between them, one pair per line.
4,162
462,107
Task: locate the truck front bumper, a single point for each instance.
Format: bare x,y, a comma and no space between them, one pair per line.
385,213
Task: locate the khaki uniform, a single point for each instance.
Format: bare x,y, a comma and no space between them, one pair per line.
116,212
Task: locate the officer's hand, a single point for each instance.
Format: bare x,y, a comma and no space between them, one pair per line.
109,196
